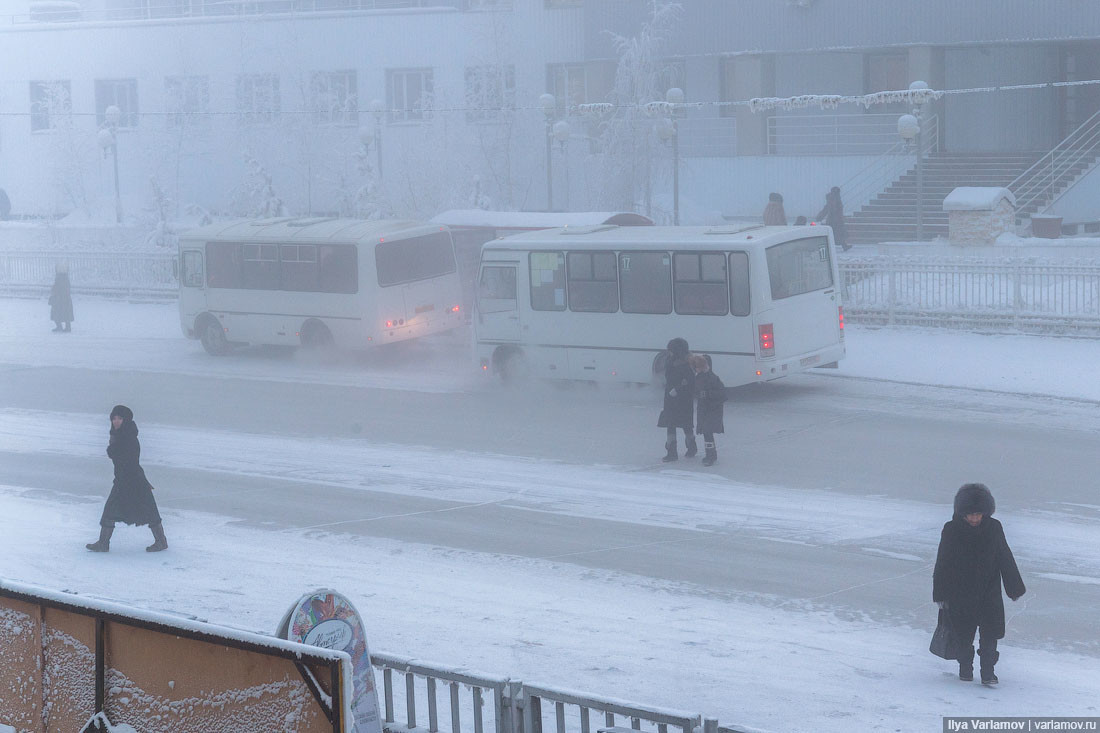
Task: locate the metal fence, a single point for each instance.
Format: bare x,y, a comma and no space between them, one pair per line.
517,707
109,273
1021,294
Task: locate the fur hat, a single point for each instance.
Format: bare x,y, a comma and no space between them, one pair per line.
775,197
678,347
974,498
122,411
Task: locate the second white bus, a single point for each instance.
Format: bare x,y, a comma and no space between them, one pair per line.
600,303
319,283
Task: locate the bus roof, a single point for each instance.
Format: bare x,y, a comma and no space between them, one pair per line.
315,229
522,220
656,237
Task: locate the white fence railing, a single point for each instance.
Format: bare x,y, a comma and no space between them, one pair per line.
1018,293
1023,294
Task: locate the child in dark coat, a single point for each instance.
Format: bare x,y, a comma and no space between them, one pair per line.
710,393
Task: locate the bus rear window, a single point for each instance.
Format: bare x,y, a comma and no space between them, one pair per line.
799,266
419,258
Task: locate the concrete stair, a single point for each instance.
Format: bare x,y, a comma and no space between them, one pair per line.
892,215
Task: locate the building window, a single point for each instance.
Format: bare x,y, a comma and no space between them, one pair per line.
409,94
886,72
121,93
258,97
50,100
334,96
568,83
489,91
186,100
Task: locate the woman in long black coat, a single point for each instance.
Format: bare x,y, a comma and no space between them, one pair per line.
679,406
61,301
131,500
973,560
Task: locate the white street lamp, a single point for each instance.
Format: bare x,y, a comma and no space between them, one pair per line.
561,131
918,116
108,140
378,109
668,131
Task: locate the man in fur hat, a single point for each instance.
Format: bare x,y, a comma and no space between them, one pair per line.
972,561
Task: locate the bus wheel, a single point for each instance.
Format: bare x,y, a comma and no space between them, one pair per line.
316,337
212,335
514,367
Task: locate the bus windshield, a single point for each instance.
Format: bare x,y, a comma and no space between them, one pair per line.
799,266
420,258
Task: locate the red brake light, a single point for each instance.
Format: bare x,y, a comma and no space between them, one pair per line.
454,309
389,324
767,339
840,313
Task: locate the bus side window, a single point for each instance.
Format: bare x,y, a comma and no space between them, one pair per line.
740,305
496,290
547,281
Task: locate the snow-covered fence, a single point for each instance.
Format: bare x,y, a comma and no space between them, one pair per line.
1024,294
130,273
517,707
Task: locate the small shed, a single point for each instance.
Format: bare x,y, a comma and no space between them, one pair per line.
979,214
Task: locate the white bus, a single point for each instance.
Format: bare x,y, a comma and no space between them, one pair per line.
317,283
600,303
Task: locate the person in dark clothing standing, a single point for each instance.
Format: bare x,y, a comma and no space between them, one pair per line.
833,215
131,500
774,215
972,562
678,411
61,301
710,394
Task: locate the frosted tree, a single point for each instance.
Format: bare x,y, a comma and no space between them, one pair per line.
161,233
70,150
625,124
256,197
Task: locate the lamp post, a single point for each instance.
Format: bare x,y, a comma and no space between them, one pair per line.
108,140
668,131
548,104
377,108
914,124
561,132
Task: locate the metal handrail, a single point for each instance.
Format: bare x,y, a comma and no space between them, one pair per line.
874,178
1039,181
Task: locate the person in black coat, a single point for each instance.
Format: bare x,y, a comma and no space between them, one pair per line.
710,394
833,215
61,301
678,410
972,562
131,500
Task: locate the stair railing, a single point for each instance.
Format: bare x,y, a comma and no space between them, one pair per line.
1037,186
887,168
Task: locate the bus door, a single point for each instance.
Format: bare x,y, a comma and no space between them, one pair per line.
497,306
803,314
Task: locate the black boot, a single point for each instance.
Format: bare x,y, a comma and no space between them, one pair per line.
989,658
711,456
670,455
68,328
57,327
691,445
966,665
104,542
160,541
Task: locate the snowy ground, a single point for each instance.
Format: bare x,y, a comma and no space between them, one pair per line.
783,661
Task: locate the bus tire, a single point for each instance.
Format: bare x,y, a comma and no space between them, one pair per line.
514,366
317,338
212,335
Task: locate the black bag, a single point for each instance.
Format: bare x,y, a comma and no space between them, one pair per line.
944,643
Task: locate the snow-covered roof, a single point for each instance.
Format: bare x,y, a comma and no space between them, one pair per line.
533,219
977,198
289,228
654,238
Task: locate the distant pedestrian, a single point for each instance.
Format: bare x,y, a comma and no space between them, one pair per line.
131,500
972,562
774,215
678,410
61,300
833,215
710,395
